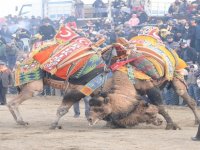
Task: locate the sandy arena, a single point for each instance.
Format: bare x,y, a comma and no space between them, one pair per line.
77,135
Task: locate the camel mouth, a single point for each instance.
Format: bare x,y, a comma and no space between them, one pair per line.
92,122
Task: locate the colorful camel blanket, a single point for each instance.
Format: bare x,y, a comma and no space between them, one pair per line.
27,71
94,62
65,59
164,60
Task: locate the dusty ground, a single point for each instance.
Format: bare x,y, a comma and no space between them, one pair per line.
76,135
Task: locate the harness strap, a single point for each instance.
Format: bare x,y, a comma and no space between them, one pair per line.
117,65
55,83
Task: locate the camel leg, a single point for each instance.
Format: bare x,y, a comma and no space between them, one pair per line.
181,90
170,123
14,104
197,137
155,97
29,90
71,97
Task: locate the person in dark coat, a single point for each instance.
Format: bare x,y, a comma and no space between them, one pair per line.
47,31
6,81
98,5
187,53
2,51
5,33
192,33
197,36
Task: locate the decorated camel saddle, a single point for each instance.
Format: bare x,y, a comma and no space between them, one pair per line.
148,56
68,55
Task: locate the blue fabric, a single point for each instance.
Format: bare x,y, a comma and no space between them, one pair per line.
11,61
87,107
171,97
194,91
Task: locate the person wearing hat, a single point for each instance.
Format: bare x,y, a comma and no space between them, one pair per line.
6,81
170,43
47,30
187,53
191,80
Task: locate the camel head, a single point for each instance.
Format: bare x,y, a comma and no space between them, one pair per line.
146,113
100,108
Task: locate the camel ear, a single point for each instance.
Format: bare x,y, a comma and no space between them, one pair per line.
106,100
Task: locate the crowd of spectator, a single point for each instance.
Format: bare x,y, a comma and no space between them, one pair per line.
180,30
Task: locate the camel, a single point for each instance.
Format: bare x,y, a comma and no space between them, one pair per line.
149,87
120,108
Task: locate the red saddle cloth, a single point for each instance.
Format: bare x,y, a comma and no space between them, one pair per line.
65,35
44,54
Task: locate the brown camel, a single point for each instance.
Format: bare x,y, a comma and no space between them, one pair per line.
120,106
73,95
151,88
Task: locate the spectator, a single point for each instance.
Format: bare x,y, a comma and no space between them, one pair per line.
6,81
79,9
47,31
134,21
186,34
34,25
192,33
2,51
187,53
184,7
175,7
193,89
117,4
98,6
11,54
143,17
77,108
5,33
170,43
170,96
197,36
22,37
137,5
71,21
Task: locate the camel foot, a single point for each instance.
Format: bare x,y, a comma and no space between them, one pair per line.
22,123
195,138
55,126
172,126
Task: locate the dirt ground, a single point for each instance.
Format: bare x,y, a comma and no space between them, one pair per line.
77,135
